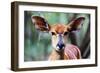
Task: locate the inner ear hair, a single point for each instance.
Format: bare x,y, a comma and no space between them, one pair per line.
73,25
40,23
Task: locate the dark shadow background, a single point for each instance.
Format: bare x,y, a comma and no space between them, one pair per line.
37,45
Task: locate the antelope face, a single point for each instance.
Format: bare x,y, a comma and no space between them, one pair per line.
59,34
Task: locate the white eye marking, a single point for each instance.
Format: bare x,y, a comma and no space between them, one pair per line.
54,41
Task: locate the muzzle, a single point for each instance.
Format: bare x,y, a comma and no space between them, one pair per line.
60,45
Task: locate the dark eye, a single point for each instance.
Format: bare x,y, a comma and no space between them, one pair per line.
65,33
53,33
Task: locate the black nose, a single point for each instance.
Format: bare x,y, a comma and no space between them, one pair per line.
60,46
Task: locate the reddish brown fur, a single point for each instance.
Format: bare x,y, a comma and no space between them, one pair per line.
59,28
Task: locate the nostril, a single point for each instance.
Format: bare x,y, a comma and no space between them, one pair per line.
60,46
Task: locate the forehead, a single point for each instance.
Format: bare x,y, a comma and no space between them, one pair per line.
59,28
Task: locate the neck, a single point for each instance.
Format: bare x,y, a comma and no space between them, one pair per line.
61,54
56,55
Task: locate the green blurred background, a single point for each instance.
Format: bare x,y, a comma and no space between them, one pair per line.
37,45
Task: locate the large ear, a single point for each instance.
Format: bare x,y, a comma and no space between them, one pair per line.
40,23
73,25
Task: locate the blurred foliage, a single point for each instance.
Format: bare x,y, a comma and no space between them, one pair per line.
37,45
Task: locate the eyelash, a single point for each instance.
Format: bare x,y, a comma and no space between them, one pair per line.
53,33
65,33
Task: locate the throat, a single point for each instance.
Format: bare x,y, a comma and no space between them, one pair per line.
61,54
